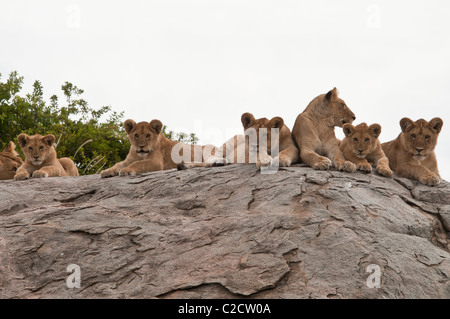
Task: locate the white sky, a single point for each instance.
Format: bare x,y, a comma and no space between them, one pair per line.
198,65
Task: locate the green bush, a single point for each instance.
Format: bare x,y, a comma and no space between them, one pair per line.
93,138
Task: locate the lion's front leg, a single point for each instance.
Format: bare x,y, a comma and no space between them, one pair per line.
383,167
288,156
112,171
48,171
21,174
264,159
140,167
339,161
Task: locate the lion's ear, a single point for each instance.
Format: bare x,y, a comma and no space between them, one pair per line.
49,139
405,123
332,94
375,129
156,125
436,124
128,125
276,122
23,139
247,119
348,129
11,147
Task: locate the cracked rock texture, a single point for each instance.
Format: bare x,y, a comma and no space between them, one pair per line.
225,232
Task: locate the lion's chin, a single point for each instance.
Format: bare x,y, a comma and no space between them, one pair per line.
143,153
37,163
419,157
360,156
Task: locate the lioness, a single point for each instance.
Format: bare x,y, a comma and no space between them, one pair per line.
256,145
411,154
41,160
314,132
9,162
362,147
152,151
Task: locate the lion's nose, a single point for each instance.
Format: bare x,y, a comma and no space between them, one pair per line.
353,117
419,150
360,151
36,157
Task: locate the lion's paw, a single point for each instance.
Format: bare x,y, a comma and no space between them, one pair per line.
430,179
384,171
127,172
108,173
323,164
21,176
346,166
39,174
265,160
366,167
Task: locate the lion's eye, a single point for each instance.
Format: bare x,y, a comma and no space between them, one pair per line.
30,148
413,136
136,135
355,139
148,135
41,147
427,137
14,169
367,139
343,105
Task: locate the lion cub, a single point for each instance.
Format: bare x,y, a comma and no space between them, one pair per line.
411,154
151,151
314,132
255,146
41,160
9,162
260,142
362,147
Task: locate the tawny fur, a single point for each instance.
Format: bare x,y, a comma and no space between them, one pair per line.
152,151
41,160
9,162
362,147
246,148
411,154
314,134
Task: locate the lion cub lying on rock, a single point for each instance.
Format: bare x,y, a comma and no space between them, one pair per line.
152,151
9,162
41,160
411,154
362,147
257,144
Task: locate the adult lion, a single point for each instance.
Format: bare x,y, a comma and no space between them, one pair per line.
314,132
41,160
152,151
9,162
411,154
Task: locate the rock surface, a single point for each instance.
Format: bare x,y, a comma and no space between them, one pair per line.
225,232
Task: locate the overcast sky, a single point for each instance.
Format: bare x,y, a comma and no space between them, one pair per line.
198,65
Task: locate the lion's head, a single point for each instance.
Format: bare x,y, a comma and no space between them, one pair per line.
253,126
9,162
37,148
143,136
420,138
335,108
362,139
